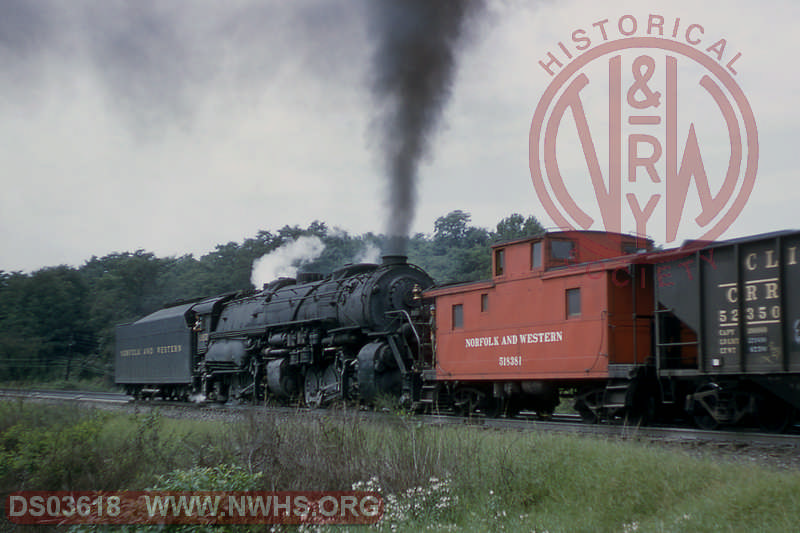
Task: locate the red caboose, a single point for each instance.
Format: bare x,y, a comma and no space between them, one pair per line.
567,310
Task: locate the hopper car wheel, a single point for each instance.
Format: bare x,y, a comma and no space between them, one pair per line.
704,408
774,415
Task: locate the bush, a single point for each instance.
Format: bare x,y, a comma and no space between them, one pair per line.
221,477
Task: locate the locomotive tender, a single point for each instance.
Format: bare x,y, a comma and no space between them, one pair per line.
708,331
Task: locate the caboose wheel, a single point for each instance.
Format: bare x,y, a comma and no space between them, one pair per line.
494,407
466,401
589,405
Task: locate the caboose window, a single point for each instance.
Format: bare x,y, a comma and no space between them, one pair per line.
536,255
573,302
458,316
499,262
562,250
484,303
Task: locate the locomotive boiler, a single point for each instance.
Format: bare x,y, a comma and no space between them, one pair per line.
351,334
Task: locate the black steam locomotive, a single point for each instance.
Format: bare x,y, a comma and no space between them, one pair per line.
352,334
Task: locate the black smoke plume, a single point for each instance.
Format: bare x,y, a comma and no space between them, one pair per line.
158,60
418,42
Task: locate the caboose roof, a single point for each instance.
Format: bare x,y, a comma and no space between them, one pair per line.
571,234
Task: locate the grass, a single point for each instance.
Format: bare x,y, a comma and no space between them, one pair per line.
432,478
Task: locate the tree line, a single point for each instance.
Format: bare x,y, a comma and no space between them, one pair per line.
58,322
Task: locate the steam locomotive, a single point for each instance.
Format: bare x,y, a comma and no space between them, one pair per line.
708,332
353,334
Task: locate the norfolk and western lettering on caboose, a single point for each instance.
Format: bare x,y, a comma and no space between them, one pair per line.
709,331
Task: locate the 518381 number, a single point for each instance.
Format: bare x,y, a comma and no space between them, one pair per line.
510,360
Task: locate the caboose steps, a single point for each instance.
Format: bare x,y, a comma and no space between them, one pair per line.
616,394
428,393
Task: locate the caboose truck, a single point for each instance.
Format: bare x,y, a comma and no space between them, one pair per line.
632,333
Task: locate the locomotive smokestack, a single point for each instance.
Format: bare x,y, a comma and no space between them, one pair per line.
395,259
395,250
414,65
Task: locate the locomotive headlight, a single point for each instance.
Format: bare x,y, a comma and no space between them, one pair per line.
716,362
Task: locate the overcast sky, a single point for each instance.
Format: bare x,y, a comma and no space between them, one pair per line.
172,126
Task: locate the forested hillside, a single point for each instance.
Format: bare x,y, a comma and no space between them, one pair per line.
58,322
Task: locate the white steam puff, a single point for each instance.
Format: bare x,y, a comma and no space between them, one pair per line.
284,261
370,254
197,398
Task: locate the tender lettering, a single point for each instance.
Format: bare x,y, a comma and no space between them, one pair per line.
150,350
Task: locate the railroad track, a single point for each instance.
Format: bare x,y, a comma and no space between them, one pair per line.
562,423
66,395
568,424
